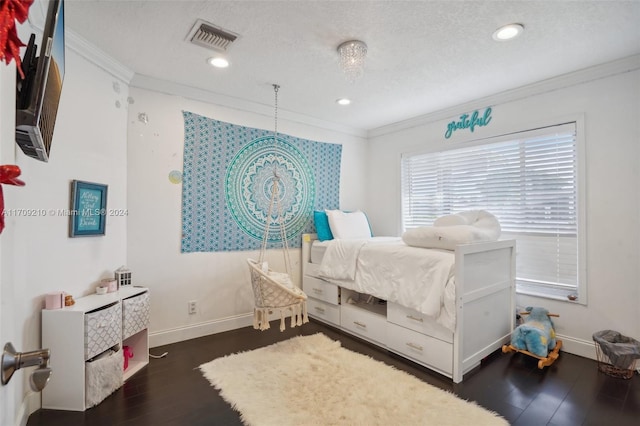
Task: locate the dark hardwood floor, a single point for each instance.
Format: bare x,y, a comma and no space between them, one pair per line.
172,391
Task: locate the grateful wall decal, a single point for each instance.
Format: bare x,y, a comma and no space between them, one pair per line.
469,121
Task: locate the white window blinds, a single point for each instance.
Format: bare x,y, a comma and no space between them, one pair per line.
528,180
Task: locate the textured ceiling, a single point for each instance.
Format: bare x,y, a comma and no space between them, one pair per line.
423,55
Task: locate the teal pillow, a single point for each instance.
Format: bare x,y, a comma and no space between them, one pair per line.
322,225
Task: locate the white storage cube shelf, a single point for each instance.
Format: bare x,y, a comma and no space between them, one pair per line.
79,333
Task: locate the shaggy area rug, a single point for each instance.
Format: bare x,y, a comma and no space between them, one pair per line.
312,380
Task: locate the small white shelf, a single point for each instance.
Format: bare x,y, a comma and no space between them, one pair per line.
64,334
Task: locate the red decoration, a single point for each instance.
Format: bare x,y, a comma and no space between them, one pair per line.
8,176
128,353
10,11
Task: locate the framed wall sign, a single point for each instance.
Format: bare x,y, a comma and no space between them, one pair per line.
88,209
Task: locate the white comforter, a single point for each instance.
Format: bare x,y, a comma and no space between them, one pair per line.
418,278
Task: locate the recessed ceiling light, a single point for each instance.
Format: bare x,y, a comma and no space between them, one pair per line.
218,62
508,32
343,101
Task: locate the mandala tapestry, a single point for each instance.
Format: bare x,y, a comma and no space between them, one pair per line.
228,178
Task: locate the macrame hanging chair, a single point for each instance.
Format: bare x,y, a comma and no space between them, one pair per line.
274,291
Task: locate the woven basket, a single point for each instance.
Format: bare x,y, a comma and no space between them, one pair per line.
605,366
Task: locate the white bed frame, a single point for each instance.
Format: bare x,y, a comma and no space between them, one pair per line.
485,311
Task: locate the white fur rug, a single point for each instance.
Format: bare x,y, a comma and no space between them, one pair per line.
312,380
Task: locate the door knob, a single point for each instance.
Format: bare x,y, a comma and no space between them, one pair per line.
13,360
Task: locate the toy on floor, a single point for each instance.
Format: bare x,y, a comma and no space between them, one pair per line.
127,353
536,337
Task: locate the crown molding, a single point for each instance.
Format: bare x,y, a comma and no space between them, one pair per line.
620,66
176,89
75,42
96,56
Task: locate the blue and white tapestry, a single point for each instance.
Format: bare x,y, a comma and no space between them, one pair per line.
228,176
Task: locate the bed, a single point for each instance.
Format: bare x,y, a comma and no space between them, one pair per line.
448,325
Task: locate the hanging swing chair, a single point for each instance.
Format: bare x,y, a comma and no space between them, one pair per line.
274,291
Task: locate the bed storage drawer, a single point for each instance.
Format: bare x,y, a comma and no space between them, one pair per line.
417,321
324,311
320,289
135,314
369,325
426,350
102,330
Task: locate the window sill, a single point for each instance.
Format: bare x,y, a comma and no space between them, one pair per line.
553,294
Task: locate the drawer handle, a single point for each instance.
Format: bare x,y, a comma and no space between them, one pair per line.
317,290
359,324
411,317
319,309
416,347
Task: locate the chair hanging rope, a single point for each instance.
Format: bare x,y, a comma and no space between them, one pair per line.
272,290
274,202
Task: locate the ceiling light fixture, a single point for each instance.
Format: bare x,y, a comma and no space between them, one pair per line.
508,32
343,101
352,54
218,62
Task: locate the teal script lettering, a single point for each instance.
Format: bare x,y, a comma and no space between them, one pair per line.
469,122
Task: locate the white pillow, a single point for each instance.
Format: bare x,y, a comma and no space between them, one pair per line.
443,237
352,225
480,219
449,231
281,278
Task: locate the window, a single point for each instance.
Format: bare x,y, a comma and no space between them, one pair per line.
529,180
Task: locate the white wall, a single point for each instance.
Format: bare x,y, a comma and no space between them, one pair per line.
611,108
37,256
219,282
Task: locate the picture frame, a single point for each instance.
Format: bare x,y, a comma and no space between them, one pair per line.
88,212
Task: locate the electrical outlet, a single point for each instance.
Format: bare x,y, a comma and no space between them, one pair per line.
193,306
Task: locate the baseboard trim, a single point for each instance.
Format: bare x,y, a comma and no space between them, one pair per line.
30,404
179,334
575,346
580,347
572,345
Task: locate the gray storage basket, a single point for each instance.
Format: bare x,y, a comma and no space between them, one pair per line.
616,354
103,375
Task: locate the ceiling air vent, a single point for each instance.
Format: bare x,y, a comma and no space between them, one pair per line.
208,35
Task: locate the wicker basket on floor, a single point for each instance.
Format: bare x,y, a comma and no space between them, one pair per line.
605,366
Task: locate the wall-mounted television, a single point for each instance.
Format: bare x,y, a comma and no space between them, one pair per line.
38,93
